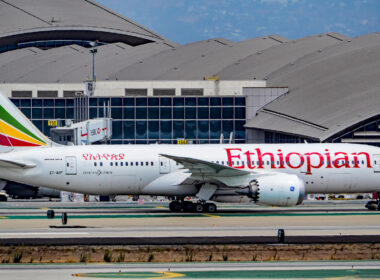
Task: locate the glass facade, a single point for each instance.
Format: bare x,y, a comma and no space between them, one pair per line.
143,120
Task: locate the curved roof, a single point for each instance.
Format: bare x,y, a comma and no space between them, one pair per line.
329,91
22,21
70,63
260,64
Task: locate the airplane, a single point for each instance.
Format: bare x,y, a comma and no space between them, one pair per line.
267,174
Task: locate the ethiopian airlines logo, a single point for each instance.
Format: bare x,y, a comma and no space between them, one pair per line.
13,133
294,160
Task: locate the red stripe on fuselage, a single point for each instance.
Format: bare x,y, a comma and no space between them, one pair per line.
13,142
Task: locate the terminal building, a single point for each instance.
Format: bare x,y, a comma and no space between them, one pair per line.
321,88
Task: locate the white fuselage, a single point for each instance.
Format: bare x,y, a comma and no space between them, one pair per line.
136,169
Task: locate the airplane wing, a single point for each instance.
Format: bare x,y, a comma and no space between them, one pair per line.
206,171
16,164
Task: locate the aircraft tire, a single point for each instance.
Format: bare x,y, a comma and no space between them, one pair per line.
171,206
188,206
175,206
199,207
210,208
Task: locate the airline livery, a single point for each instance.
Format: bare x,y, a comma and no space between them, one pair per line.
268,174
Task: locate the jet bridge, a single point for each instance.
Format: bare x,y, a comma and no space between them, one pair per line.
83,133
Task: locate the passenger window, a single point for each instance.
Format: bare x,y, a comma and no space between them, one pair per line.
126,163
121,163
161,163
115,163
151,163
101,163
94,163
142,164
147,163
111,163
131,163
137,163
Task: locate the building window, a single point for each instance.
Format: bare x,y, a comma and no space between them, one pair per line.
21,93
163,92
136,92
47,93
192,91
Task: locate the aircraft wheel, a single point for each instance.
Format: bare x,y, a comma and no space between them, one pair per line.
188,206
211,208
175,206
199,207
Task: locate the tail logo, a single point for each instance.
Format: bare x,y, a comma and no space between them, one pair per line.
13,133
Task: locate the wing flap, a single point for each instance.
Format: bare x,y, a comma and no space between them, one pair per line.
203,167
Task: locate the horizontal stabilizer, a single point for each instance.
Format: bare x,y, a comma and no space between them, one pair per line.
16,164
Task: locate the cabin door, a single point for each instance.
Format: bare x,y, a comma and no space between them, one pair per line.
71,165
164,165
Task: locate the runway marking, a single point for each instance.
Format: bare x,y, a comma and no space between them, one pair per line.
213,216
168,215
243,274
43,233
3,217
144,275
160,207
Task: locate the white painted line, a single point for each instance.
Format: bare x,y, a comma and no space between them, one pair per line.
44,233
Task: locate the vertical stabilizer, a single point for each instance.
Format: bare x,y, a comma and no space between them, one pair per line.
16,130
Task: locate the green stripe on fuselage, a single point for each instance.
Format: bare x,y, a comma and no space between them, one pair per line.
4,115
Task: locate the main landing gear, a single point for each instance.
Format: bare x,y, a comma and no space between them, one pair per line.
188,206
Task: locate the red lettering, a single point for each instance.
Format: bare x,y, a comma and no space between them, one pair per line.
248,154
113,157
281,157
328,158
366,157
302,160
230,157
309,164
121,156
85,156
344,158
106,156
260,158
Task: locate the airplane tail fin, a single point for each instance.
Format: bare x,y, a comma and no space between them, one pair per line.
16,130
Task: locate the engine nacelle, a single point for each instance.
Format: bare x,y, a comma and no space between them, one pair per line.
277,190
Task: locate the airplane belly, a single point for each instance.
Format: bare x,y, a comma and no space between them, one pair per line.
124,184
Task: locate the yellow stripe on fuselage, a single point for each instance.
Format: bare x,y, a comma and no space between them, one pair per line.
15,133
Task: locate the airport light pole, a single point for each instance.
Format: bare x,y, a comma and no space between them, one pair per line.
93,51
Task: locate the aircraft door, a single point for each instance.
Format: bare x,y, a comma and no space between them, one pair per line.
71,165
164,165
376,163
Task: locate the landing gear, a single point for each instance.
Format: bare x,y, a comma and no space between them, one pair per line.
374,204
175,206
188,206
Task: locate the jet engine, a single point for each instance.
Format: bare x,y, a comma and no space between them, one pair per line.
276,190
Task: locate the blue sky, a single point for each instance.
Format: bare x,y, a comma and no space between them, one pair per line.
186,21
